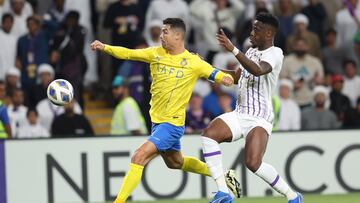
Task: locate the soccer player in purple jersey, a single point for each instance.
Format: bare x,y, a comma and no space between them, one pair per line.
253,117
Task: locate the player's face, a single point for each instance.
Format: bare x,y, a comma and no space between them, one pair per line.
166,36
170,38
257,35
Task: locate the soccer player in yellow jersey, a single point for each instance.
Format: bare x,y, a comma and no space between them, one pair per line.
174,71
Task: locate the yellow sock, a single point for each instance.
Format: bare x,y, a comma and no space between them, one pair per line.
131,180
194,165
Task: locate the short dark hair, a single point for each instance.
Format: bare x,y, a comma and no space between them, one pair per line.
5,16
268,19
176,23
348,61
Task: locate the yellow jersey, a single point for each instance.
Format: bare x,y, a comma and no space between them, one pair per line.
173,79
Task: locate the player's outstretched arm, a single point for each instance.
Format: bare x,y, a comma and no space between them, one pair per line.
122,52
257,70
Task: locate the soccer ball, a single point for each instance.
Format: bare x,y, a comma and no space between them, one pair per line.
60,92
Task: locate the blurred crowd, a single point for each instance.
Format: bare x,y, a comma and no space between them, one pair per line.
318,88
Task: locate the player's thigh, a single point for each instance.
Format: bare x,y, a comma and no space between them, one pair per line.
218,130
173,159
166,137
145,153
255,147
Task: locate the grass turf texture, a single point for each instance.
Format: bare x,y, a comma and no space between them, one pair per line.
349,198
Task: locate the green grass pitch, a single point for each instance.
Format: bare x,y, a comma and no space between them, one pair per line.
349,198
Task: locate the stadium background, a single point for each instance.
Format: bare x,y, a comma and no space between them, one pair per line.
327,28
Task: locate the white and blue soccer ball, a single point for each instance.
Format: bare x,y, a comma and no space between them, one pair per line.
60,92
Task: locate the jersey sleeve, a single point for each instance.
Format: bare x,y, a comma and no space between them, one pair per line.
205,70
272,57
144,55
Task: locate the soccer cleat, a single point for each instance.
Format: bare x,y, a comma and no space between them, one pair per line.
298,199
232,183
222,197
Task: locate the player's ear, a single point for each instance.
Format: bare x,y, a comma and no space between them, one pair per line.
269,33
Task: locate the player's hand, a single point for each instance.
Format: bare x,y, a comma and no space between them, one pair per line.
227,80
97,45
224,41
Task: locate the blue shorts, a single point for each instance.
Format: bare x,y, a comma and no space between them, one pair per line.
166,136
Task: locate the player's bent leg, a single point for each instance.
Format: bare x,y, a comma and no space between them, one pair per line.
255,148
215,133
145,153
175,160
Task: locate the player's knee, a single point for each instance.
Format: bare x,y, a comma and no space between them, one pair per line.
252,163
138,157
209,133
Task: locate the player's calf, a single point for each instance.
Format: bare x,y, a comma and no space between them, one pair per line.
173,164
252,162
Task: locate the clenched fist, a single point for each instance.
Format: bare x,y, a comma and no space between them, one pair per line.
97,45
227,80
